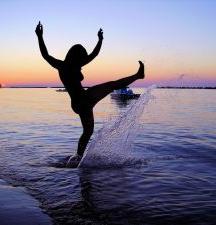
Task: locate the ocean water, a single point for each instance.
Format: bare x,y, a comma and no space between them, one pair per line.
175,183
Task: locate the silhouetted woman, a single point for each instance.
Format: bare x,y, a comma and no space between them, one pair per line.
83,101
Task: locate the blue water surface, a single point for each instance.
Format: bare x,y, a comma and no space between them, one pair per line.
175,184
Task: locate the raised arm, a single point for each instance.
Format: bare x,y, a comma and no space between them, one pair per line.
97,48
51,60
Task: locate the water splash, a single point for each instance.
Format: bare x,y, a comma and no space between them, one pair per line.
112,145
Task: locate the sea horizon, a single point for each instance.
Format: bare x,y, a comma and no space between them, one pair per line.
165,87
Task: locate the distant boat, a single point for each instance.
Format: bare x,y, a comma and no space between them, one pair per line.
124,93
61,90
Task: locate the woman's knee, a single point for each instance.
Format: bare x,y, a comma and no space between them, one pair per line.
88,131
113,85
116,84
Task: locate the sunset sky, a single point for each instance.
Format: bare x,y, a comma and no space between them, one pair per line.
172,37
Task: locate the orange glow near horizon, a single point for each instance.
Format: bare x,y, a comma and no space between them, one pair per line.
41,74
35,71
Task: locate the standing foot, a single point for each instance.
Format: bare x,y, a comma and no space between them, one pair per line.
73,161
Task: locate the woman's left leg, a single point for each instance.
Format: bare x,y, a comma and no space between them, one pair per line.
98,92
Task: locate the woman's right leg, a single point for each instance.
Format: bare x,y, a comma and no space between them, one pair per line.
87,120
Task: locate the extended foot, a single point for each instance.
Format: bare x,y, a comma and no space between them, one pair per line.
140,73
73,161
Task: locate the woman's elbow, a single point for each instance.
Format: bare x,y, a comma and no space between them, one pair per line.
45,56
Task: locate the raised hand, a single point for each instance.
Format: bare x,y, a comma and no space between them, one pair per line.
39,30
100,34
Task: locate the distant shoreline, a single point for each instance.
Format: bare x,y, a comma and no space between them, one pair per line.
168,87
163,87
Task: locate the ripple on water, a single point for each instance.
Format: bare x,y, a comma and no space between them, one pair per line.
174,184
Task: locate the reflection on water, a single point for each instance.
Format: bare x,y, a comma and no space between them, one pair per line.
175,185
137,196
121,103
